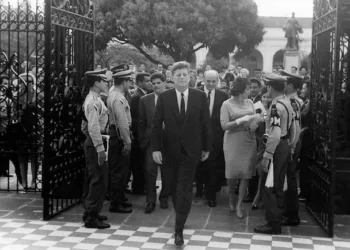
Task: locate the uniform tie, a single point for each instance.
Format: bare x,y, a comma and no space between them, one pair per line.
182,108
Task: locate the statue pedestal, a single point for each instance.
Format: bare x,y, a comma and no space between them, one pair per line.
291,58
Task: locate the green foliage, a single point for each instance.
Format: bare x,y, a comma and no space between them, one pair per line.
127,54
215,63
179,28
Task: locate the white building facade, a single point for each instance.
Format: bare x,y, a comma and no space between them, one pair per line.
269,53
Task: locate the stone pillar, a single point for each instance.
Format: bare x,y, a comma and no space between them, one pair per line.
291,58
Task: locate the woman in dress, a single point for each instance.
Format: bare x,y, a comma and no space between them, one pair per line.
239,142
266,101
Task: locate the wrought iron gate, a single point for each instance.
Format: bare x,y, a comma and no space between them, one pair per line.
329,135
69,27
21,95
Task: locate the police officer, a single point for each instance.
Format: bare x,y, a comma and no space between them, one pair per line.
278,125
294,83
96,115
120,140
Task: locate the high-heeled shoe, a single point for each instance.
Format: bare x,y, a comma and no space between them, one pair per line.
232,208
239,212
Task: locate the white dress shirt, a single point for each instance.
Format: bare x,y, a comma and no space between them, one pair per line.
178,94
155,99
212,96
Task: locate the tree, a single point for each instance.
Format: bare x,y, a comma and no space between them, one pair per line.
117,53
179,28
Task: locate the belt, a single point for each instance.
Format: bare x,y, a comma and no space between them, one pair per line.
284,137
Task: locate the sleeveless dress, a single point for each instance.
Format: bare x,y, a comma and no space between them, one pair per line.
240,148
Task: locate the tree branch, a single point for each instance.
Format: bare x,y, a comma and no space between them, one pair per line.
198,48
147,55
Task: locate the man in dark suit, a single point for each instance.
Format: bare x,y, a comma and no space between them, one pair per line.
137,156
147,107
186,139
212,169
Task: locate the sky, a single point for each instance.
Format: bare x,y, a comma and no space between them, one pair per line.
302,8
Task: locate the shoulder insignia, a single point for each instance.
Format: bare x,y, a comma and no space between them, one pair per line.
275,120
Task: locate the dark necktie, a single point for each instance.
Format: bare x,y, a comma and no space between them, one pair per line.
182,108
209,98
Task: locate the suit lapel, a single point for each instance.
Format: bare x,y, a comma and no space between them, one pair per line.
152,103
175,105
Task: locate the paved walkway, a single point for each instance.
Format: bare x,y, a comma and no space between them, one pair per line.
21,227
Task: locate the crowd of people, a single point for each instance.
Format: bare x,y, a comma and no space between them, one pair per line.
204,127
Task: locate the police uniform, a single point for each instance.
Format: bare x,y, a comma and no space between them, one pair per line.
291,195
278,125
96,115
120,122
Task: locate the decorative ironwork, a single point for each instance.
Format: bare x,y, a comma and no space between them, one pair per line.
21,94
330,112
69,53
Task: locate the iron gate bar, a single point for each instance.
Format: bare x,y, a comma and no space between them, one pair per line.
69,53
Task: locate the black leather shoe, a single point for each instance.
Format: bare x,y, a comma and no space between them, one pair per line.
164,204
290,221
150,207
101,217
138,192
127,204
179,239
255,207
212,203
268,229
120,209
95,223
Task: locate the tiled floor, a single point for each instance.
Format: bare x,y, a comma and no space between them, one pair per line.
40,235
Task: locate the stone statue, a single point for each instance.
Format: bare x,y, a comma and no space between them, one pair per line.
292,28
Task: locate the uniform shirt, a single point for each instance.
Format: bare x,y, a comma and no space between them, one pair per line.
277,122
119,111
178,94
296,104
212,96
96,115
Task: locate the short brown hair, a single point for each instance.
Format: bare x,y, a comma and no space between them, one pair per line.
180,65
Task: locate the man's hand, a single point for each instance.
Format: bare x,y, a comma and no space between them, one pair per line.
205,155
157,157
265,165
126,150
101,157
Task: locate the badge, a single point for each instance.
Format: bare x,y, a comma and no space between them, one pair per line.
275,120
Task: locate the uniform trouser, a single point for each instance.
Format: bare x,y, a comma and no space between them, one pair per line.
118,165
183,171
94,186
291,195
151,169
274,197
199,177
137,168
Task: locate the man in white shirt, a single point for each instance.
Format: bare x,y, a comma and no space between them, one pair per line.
211,172
185,141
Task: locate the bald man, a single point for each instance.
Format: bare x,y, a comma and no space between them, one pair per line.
211,171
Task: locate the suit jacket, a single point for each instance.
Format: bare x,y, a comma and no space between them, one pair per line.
134,109
194,135
256,99
146,109
217,131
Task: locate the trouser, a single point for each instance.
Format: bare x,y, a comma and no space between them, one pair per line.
94,185
183,171
137,168
211,173
118,165
151,169
291,195
274,197
9,152
303,163
199,178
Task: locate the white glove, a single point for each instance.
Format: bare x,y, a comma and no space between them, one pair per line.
243,119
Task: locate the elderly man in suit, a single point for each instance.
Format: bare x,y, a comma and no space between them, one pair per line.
186,139
147,107
144,86
209,170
